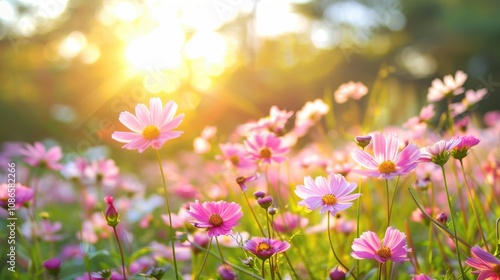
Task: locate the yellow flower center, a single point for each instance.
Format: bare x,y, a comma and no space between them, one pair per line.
496,269
387,167
215,220
329,199
151,132
384,252
265,153
235,160
263,247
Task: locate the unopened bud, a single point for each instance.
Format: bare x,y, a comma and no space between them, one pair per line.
363,141
442,218
272,211
259,194
112,215
53,266
226,273
337,274
265,202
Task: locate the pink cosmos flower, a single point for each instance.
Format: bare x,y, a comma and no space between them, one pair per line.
235,155
462,149
387,162
487,265
22,195
38,156
330,194
218,217
266,147
202,144
242,180
263,248
288,222
150,127
309,115
392,247
471,98
448,87
102,171
439,152
75,169
354,90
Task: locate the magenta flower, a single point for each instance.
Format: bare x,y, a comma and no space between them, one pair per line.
448,87
150,127
487,265
18,195
263,248
462,149
392,247
235,155
38,156
387,162
330,194
288,222
354,90
421,277
266,147
112,216
439,153
218,217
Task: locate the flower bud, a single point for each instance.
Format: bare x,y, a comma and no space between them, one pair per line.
53,266
226,273
363,141
442,217
337,274
265,202
248,262
259,194
112,216
272,211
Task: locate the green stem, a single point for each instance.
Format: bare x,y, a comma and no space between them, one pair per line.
471,201
220,251
457,248
331,246
253,214
393,197
204,258
358,210
121,253
268,226
172,237
387,203
379,271
263,269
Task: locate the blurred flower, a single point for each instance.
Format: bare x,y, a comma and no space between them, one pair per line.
266,147
149,128
43,229
263,248
38,156
141,265
179,220
492,118
492,168
18,195
259,194
462,149
202,144
278,119
442,217
354,90
265,202
75,170
462,123
102,171
242,180
288,222
421,277
53,266
226,272
330,194
417,215
392,247
309,115
487,265
387,162
439,152
426,113
112,216
218,217
448,87
234,240
471,98
235,155
72,251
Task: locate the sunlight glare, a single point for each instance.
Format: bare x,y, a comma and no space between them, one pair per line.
160,49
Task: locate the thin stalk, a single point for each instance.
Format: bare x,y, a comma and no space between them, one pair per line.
263,269
121,253
358,210
204,258
253,214
331,246
220,251
268,225
457,248
471,201
379,271
387,203
172,237
393,197
450,234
